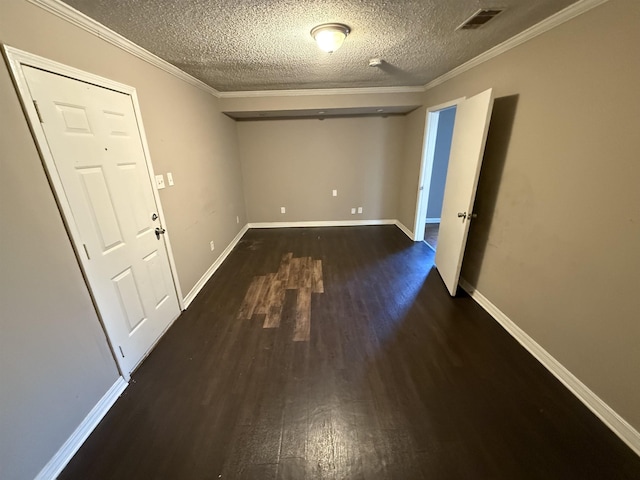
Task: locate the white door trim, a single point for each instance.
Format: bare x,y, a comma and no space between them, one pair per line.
426,165
17,59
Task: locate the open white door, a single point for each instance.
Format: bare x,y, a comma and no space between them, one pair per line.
467,149
96,160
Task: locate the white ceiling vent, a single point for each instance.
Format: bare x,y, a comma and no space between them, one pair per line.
479,18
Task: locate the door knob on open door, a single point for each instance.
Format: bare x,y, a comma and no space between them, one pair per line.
159,231
462,215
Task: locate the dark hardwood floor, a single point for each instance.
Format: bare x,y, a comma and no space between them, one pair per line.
431,234
397,380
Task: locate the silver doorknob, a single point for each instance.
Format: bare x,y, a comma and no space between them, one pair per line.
462,215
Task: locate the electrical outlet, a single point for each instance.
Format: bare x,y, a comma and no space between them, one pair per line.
353,211
335,193
170,179
283,210
359,209
212,245
159,182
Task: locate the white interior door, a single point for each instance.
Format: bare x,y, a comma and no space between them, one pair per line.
467,149
94,140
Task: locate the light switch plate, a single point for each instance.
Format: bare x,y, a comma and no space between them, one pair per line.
359,209
160,182
283,210
335,193
353,211
170,179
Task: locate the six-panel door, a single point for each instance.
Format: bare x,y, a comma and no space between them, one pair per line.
95,142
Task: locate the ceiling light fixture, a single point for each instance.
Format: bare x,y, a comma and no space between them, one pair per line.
329,36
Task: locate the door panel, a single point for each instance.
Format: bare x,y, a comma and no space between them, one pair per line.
94,139
131,178
130,300
154,270
465,160
99,199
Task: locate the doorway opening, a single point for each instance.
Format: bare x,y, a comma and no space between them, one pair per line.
433,171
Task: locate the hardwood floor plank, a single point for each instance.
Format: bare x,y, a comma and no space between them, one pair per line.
292,468
431,235
294,273
276,301
317,281
263,285
266,294
251,298
285,265
303,315
395,380
306,272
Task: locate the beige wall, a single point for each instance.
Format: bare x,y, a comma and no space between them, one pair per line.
297,163
189,137
56,364
556,245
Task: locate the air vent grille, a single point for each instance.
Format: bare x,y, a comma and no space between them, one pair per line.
480,18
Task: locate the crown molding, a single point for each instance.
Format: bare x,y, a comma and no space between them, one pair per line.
320,91
73,16
545,25
90,25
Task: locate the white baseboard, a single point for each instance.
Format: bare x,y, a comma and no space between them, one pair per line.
53,468
334,223
321,223
340,223
611,419
405,230
212,269
432,220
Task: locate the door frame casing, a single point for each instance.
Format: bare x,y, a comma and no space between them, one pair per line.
426,165
17,59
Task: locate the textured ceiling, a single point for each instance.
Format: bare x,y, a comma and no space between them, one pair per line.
240,45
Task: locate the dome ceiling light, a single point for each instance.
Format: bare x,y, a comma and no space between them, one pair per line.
330,36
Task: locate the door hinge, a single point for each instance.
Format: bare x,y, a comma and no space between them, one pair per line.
121,352
35,104
86,251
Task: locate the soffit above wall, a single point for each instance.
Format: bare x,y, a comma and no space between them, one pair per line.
322,113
